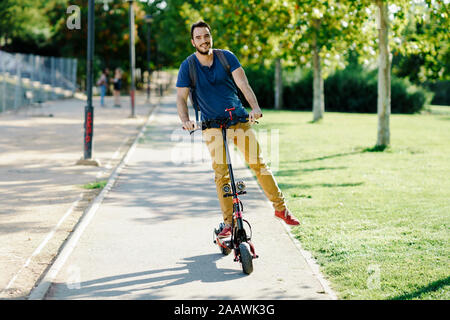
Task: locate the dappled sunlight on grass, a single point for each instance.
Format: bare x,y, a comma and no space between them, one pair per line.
364,208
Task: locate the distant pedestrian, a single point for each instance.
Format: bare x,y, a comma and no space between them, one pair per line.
117,81
102,83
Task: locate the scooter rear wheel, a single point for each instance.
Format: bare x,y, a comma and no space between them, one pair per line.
246,258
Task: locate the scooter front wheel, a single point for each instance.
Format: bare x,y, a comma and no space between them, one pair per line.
246,258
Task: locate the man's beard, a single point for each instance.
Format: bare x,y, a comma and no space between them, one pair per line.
205,53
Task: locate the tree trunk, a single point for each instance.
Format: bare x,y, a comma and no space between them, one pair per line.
318,91
278,85
384,77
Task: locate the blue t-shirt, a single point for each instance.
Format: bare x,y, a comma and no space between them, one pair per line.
215,91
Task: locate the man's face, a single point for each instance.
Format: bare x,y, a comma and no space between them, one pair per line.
202,40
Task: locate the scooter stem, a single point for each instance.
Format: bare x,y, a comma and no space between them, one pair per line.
236,207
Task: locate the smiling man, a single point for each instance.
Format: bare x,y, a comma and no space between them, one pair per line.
215,93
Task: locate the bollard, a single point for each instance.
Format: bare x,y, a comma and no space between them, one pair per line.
88,131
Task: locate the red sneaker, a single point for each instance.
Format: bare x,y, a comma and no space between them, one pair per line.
226,232
287,217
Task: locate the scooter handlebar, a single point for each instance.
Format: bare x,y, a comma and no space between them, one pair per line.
199,125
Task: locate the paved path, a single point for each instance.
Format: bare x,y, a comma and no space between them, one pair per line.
151,236
41,198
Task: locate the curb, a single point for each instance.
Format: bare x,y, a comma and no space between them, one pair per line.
311,263
39,292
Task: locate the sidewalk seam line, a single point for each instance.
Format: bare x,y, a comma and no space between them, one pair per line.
44,242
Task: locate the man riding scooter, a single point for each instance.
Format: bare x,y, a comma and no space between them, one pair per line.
215,92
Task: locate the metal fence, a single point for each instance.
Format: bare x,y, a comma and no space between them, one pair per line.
27,79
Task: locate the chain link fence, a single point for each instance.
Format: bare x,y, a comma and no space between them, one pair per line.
27,79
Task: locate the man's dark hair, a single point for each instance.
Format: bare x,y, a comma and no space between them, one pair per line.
199,24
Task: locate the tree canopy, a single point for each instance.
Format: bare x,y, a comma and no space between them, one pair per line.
257,30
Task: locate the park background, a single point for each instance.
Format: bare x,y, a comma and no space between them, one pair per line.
374,210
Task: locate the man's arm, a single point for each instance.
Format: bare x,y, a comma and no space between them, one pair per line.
183,113
242,82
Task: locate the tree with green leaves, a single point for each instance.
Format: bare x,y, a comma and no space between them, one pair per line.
427,57
324,31
254,30
384,76
246,27
111,35
392,20
25,21
170,31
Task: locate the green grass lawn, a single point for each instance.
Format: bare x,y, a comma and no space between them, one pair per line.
377,223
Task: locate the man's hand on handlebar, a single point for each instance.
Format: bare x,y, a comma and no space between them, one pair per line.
190,125
254,115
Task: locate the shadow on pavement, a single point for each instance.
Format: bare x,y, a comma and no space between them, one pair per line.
198,268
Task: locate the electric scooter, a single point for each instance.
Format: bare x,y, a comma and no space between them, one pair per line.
240,240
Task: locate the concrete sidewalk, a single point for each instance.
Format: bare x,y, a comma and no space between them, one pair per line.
41,194
151,236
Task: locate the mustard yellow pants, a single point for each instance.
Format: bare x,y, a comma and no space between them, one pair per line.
244,138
